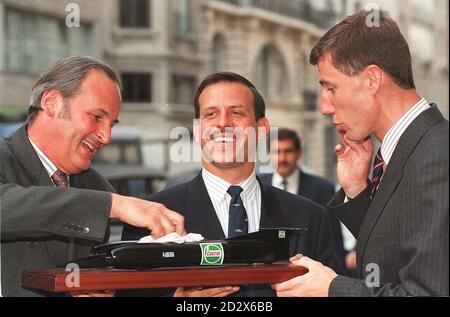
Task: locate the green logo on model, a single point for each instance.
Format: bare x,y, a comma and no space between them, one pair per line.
212,254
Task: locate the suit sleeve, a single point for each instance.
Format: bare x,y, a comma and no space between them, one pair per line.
423,239
40,212
353,212
325,250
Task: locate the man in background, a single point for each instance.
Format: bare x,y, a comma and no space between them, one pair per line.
285,155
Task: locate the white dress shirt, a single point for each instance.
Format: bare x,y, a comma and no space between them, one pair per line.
392,137
292,181
48,165
394,134
251,197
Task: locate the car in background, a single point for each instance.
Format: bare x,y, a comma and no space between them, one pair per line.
121,163
8,128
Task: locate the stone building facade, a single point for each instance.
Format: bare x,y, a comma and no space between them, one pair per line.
163,48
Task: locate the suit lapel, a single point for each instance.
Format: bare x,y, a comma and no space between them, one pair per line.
272,215
200,215
28,159
393,175
303,186
36,175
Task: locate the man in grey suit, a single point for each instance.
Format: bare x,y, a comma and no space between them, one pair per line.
400,217
54,208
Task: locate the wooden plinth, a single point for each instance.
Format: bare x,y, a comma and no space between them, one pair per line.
54,280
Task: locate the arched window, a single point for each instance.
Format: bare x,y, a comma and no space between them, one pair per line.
218,53
271,74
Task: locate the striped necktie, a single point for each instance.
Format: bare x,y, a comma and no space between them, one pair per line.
284,184
377,173
60,179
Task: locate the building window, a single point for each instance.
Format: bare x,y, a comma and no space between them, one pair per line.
32,42
135,13
183,89
137,87
310,100
218,52
182,15
271,74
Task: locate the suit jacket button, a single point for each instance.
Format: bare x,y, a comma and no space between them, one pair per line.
86,230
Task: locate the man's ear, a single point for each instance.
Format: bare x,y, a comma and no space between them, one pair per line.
49,102
374,77
263,128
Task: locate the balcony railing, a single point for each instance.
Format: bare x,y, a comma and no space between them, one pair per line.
297,9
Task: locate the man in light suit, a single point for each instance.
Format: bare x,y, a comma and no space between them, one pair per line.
54,208
285,153
400,217
231,116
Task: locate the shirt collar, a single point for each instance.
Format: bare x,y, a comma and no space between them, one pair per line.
48,164
219,187
392,137
294,178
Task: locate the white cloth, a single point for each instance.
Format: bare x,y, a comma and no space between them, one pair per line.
173,237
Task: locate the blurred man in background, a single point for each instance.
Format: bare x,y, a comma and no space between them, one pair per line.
285,155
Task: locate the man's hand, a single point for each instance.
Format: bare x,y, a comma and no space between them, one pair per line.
205,292
353,165
141,213
350,260
315,283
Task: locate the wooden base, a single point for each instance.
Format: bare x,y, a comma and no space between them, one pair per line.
54,280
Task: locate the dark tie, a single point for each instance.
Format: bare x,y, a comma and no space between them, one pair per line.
238,222
377,173
60,179
284,184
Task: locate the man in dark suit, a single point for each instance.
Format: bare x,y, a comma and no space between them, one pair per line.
285,153
54,208
226,198
400,218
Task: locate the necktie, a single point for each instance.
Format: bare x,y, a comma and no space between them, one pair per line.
284,184
377,173
238,222
60,179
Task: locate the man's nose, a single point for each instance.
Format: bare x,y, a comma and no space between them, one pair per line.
326,108
281,156
224,121
104,133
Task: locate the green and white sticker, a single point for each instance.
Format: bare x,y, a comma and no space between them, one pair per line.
212,254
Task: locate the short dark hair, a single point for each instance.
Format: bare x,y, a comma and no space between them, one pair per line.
66,75
288,134
258,101
354,45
